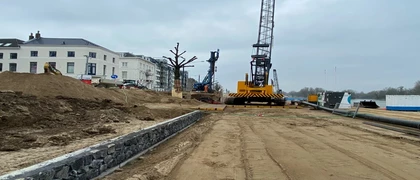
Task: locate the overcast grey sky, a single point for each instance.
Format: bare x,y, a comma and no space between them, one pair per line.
373,43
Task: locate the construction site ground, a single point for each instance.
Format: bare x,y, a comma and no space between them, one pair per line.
279,144
45,116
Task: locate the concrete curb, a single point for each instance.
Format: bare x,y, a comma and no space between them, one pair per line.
101,159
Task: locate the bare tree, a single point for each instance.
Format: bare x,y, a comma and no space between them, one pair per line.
177,64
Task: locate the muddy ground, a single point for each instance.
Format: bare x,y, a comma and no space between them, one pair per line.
279,144
35,129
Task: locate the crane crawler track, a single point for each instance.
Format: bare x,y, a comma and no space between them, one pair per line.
247,95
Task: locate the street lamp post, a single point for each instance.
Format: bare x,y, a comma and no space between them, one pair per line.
87,64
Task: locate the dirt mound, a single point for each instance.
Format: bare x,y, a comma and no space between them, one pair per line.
135,96
43,85
50,86
27,121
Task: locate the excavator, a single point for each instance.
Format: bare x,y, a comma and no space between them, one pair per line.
48,69
257,89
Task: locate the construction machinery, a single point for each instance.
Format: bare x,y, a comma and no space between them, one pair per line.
48,69
275,83
312,98
368,104
330,99
257,89
204,91
207,84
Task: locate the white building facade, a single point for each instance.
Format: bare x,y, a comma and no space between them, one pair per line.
75,56
9,54
137,68
71,56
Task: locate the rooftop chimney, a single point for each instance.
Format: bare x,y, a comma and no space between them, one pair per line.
38,35
31,36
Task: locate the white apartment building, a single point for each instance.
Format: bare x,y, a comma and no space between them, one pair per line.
9,51
156,70
137,68
71,56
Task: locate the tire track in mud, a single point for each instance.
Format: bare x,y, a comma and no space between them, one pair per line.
199,138
283,169
255,154
245,162
348,153
366,139
380,145
364,161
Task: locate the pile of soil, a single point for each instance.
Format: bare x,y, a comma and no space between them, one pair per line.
27,121
50,86
45,85
39,110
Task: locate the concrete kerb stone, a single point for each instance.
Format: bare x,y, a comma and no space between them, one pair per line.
103,158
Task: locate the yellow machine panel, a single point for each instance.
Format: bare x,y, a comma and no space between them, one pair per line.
245,90
313,98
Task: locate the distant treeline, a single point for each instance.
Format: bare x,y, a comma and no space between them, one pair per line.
378,94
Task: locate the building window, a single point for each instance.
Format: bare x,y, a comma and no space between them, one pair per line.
32,67
91,68
71,54
113,60
113,70
1,55
104,72
52,64
124,74
92,54
105,57
124,64
34,53
1,67
53,53
13,55
70,67
12,67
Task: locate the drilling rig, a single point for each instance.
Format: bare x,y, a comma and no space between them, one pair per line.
257,89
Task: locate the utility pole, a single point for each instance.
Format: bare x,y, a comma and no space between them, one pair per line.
335,78
325,76
87,64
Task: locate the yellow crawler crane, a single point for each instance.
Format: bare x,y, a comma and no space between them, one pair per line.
247,92
257,88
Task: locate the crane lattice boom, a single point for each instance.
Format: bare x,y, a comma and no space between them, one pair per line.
261,60
276,82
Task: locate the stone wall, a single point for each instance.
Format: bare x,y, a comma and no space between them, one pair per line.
103,158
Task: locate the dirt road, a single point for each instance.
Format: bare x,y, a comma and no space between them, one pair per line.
279,144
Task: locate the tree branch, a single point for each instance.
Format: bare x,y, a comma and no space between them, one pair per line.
189,61
183,59
170,60
182,53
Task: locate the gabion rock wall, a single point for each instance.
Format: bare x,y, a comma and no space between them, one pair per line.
99,159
